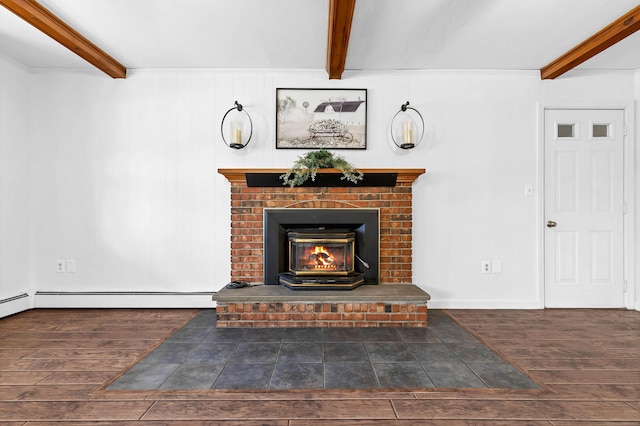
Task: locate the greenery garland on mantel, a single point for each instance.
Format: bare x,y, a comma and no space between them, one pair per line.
307,166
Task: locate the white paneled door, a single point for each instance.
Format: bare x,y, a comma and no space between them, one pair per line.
584,208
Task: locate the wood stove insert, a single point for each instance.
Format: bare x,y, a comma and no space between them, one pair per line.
321,258
321,248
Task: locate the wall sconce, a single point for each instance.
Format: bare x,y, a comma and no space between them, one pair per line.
407,127
237,133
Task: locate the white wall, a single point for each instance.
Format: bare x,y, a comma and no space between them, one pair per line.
124,173
635,207
14,187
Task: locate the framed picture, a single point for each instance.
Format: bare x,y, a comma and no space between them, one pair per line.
321,118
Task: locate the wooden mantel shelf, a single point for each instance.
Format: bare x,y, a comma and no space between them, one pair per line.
326,177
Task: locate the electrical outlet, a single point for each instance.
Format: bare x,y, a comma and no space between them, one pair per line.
71,266
61,266
486,267
496,265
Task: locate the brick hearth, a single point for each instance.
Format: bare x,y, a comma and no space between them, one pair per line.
247,256
366,306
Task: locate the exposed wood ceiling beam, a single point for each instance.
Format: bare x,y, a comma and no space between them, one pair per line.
41,18
603,39
340,19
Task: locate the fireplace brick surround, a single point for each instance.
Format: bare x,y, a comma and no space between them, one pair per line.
248,202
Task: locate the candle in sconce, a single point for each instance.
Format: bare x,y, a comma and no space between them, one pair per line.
407,132
236,132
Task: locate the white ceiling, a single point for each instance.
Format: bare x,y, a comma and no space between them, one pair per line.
292,34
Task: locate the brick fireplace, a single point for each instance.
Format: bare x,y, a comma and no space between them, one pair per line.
387,190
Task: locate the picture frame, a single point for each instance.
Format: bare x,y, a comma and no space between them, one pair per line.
321,118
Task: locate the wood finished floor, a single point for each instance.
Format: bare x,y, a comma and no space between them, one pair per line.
54,365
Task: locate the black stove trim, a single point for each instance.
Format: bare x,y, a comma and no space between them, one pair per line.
364,222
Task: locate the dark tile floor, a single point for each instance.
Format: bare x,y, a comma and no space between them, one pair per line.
199,356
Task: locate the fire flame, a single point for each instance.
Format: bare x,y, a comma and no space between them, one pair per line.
323,258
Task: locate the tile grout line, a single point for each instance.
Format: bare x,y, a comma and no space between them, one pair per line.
373,370
417,360
275,360
228,361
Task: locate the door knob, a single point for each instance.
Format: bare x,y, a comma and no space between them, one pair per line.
551,224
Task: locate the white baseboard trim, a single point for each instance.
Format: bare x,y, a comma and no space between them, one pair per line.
57,299
15,304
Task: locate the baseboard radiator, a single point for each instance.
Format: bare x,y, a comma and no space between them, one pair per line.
123,299
15,304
